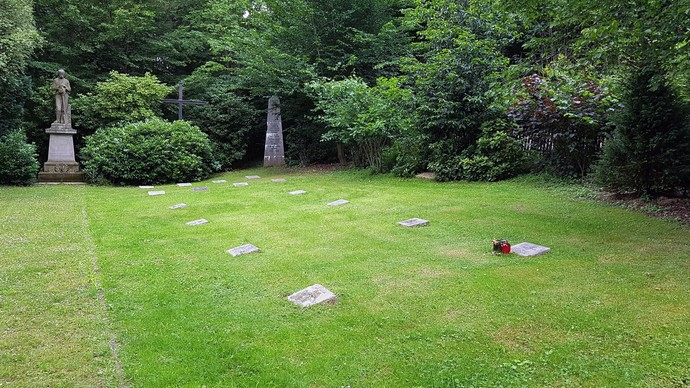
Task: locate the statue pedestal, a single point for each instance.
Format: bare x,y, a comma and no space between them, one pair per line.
61,165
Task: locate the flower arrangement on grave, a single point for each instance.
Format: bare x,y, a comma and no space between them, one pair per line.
501,247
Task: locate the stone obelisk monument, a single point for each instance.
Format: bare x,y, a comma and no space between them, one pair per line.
274,151
61,165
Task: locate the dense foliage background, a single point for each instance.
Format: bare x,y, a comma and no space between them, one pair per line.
394,85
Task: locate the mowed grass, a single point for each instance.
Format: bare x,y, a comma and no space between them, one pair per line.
418,307
53,329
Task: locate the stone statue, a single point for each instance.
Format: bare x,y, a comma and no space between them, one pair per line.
62,88
61,165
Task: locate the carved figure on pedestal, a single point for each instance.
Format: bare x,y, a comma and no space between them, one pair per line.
62,89
61,165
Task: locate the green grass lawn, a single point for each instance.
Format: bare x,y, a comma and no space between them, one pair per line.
418,306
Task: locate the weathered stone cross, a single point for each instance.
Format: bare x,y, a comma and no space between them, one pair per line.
180,102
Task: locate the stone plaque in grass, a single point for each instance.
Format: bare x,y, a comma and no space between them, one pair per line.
243,250
202,188
198,222
156,192
529,249
220,181
253,177
278,180
313,295
414,222
179,206
240,184
339,202
298,192
184,184
145,187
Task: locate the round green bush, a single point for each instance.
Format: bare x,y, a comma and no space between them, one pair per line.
147,152
18,160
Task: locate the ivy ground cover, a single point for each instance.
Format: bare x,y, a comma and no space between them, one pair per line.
424,306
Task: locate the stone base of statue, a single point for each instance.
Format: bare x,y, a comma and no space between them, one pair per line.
61,165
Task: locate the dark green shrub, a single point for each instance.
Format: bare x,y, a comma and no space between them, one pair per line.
497,155
649,151
153,151
18,160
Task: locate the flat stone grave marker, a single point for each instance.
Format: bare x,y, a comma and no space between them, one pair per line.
240,184
253,177
278,180
529,249
243,250
198,222
179,206
313,295
220,181
338,202
145,187
156,192
202,188
184,184
298,192
414,222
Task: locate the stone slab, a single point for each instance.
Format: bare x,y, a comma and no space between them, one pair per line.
278,180
61,129
197,222
157,192
298,192
179,206
184,184
339,202
145,187
414,222
61,177
253,177
220,181
528,249
243,250
62,167
202,188
313,295
240,184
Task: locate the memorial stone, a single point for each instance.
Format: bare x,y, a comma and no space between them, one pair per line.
278,180
338,202
274,150
198,222
184,184
414,222
253,177
243,250
61,165
145,187
313,295
220,181
240,184
202,188
298,192
156,192
528,249
179,206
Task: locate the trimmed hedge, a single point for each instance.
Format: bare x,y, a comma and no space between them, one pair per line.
147,152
